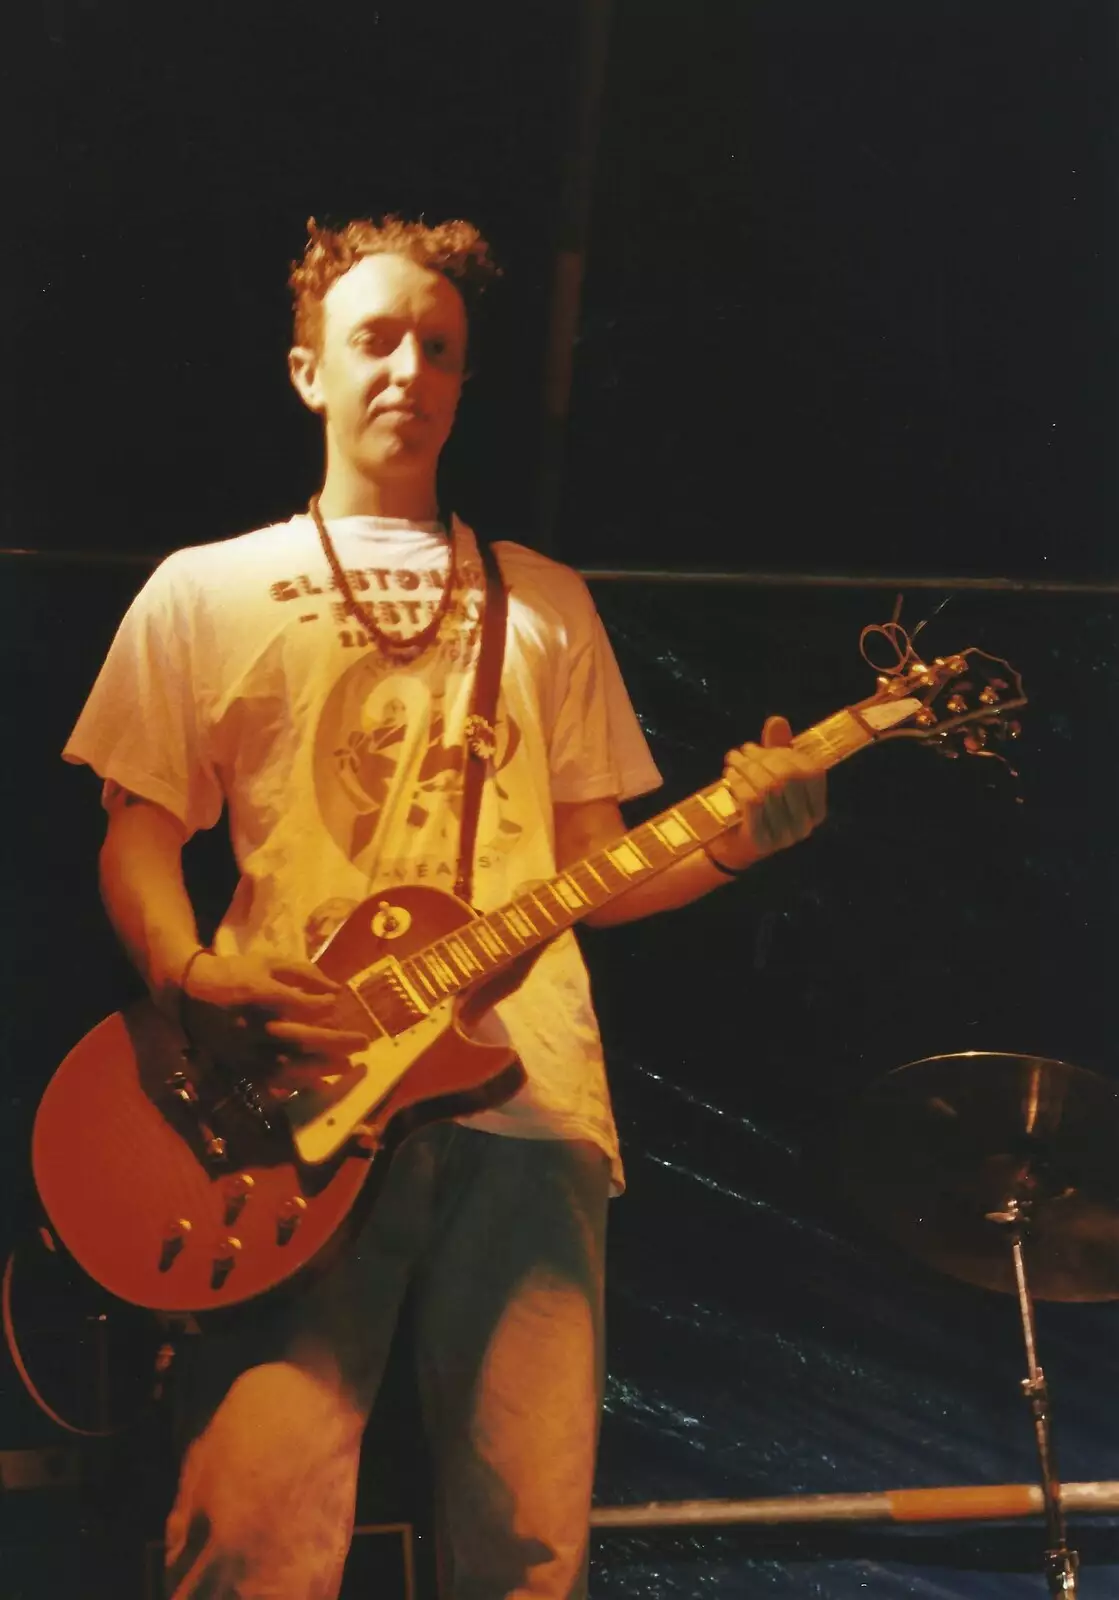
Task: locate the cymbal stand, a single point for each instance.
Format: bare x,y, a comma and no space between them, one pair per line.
1061,1563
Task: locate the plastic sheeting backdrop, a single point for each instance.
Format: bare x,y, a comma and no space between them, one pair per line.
763,1341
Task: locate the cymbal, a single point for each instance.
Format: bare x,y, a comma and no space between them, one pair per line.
935,1147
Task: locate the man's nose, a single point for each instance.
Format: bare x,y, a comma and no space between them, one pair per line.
407,358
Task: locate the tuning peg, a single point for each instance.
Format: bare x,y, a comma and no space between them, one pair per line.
957,704
975,740
989,695
926,717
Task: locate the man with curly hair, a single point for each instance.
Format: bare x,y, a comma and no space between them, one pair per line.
313,678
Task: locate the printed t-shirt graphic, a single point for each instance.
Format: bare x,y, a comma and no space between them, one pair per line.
237,675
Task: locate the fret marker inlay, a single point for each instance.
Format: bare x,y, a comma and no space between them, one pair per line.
519,923
627,858
721,802
673,830
569,893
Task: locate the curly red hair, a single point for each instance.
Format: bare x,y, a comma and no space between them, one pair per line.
456,249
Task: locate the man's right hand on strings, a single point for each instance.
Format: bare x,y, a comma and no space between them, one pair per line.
277,1020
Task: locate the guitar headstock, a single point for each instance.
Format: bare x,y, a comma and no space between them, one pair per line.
958,704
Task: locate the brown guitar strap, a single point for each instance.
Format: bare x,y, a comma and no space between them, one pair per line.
481,724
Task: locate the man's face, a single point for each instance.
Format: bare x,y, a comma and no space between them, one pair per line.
389,374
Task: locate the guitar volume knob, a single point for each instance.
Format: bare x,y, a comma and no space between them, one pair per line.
175,1236
235,1191
288,1217
224,1261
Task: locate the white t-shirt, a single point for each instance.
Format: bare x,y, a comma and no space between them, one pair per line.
237,678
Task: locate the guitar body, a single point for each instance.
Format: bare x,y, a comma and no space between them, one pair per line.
171,1191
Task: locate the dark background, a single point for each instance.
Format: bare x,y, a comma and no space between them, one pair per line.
849,310
850,298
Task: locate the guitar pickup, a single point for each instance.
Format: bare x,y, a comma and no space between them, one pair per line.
394,1003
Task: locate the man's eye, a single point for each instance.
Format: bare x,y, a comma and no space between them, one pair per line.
442,352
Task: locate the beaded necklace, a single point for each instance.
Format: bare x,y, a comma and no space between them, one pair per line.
392,648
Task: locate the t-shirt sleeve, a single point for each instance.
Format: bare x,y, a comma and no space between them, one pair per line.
598,749
144,725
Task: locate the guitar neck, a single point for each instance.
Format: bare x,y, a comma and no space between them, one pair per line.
483,947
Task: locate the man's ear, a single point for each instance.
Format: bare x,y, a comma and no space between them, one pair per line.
303,370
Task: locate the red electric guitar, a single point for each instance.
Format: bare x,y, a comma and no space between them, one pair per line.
180,1188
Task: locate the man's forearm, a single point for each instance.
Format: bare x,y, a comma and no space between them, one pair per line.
144,894
678,885
589,826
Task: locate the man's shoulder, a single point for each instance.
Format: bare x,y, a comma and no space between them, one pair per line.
529,572
239,550
203,575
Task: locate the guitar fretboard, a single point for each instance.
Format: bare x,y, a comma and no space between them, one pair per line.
486,945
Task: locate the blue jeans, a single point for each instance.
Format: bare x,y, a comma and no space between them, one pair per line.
503,1242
